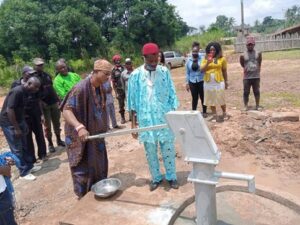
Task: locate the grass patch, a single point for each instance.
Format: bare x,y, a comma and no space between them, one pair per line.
280,99
184,45
277,55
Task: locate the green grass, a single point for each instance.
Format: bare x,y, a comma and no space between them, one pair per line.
184,45
280,99
277,55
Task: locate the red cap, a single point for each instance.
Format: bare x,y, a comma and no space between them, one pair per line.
116,57
250,40
150,48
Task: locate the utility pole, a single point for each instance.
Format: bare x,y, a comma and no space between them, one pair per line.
242,18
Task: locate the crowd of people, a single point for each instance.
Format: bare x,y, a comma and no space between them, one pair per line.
36,102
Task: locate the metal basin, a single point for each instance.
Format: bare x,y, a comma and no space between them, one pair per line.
106,188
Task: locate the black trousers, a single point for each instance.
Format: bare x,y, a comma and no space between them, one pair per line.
197,91
255,84
34,124
121,101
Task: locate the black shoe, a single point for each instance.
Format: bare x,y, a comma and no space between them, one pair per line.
154,185
117,127
123,120
44,158
174,184
51,148
61,143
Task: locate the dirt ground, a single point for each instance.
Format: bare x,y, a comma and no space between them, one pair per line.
274,161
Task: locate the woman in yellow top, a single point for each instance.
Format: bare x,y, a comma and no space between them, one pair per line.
214,67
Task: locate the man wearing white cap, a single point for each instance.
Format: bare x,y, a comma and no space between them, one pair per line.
151,94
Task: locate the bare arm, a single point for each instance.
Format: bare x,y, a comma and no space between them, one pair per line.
204,68
242,61
224,71
72,120
259,60
12,118
5,170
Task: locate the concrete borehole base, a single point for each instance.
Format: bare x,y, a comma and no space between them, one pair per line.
136,206
237,207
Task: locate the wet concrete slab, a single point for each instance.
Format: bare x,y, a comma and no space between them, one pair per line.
236,208
135,205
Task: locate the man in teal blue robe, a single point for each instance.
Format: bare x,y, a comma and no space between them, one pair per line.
151,94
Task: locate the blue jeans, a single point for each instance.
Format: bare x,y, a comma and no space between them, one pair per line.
17,147
6,209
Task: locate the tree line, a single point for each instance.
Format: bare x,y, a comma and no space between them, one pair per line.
267,25
74,29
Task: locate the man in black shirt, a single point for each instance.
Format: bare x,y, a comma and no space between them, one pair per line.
13,123
33,118
117,85
50,104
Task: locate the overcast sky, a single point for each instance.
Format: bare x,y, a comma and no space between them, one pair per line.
204,12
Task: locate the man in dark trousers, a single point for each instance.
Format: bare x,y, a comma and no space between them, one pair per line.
117,85
33,117
50,105
251,62
13,123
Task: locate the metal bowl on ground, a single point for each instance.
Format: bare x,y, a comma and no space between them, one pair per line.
106,188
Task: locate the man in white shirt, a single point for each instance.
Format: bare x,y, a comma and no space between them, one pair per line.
6,202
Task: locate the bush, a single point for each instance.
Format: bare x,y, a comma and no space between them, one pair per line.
3,62
9,74
184,45
80,65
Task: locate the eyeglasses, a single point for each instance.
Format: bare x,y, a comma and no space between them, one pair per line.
105,73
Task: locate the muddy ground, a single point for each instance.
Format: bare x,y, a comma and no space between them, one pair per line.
274,161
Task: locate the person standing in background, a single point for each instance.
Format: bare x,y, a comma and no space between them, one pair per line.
124,79
117,85
251,62
50,102
194,79
64,80
214,67
110,108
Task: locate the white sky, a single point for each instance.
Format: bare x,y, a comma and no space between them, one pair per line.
204,12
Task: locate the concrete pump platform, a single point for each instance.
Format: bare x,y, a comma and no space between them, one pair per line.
136,205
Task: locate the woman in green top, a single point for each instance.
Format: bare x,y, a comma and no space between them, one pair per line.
65,80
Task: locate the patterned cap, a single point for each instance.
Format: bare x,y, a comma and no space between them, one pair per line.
38,61
103,65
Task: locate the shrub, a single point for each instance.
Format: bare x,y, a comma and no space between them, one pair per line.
184,45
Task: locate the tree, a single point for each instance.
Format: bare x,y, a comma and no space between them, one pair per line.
225,24
73,28
292,15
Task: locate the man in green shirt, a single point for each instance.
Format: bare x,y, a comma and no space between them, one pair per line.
65,80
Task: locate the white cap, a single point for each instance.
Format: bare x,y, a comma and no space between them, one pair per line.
127,60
